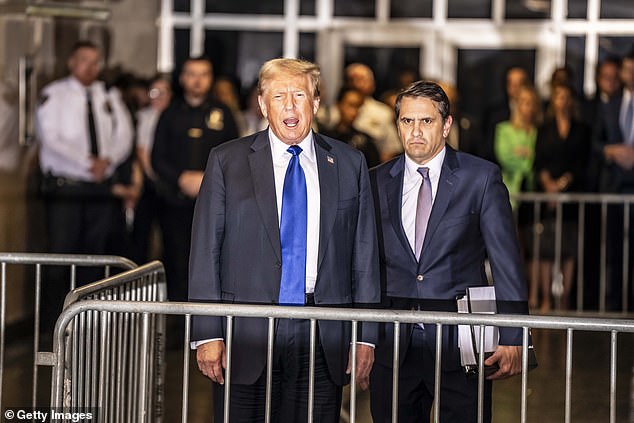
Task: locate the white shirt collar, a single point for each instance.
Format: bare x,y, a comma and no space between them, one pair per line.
279,148
434,165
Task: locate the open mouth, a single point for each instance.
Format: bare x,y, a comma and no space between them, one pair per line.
291,122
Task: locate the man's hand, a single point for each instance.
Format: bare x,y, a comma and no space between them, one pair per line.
212,360
621,154
365,359
98,167
509,358
189,182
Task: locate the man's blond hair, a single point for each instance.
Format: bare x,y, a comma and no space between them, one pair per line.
290,67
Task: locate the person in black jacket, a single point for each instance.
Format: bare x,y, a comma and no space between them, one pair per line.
185,134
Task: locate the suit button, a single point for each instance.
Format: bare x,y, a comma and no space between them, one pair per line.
420,278
278,264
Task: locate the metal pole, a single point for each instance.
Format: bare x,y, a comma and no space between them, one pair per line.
568,403
185,407
311,370
524,374
228,369
353,379
395,366
437,372
269,370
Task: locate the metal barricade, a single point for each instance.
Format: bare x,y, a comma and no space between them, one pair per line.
39,261
582,202
568,324
115,362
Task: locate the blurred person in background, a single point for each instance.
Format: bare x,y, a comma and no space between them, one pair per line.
515,77
85,132
349,102
561,156
185,134
375,118
514,145
255,120
160,95
224,89
613,146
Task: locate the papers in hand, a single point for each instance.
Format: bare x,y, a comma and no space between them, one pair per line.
479,299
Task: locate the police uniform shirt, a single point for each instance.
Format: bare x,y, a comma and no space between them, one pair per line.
186,134
63,132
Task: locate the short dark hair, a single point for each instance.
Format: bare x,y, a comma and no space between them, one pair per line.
425,89
345,89
83,44
200,58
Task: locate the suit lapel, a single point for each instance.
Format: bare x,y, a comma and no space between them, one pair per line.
394,190
446,185
261,163
328,170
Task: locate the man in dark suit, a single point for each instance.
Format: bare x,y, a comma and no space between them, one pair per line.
241,252
440,213
613,145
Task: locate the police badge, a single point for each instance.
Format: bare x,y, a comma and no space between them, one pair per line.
215,121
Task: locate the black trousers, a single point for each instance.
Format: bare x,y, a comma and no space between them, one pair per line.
74,226
176,228
289,395
458,392
615,260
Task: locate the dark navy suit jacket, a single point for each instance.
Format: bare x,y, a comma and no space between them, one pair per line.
471,219
607,130
236,254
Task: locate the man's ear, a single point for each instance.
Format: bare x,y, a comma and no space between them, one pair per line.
263,107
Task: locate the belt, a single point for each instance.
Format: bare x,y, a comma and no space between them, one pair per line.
309,299
403,303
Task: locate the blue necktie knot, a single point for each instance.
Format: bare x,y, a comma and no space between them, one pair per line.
295,150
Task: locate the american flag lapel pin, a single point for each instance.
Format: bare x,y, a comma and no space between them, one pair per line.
330,159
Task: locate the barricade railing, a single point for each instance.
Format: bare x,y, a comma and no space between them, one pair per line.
582,201
398,318
39,261
115,362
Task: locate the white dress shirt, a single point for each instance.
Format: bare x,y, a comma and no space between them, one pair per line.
412,181
308,162
62,128
146,120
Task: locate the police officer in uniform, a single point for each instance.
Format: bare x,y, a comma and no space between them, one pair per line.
186,132
85,132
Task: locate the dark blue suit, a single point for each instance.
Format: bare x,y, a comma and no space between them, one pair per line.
612,178
470,220
236,254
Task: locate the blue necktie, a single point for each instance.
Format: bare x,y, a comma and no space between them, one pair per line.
293,232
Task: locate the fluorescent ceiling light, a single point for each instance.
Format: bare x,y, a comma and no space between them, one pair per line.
65,10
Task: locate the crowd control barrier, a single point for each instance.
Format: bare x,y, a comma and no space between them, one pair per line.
145,311
593,217
39,262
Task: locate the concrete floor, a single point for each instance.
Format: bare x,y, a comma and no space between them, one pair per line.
546,384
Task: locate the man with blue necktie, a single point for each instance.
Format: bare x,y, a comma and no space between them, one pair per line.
440,213
284,216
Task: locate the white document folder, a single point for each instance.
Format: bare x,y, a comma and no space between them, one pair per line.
479,299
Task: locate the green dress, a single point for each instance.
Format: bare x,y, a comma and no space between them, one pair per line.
517,171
